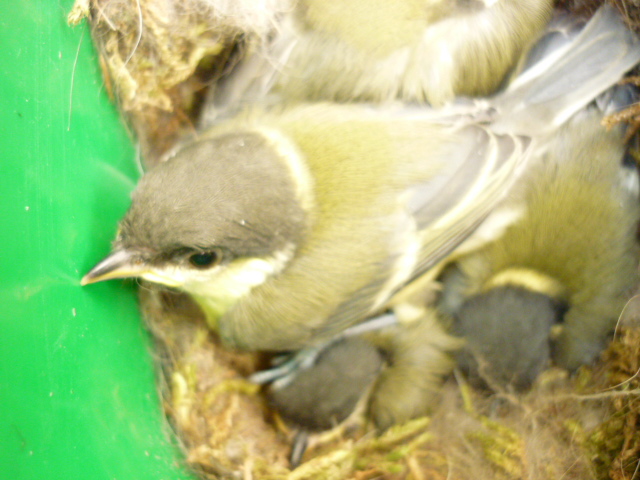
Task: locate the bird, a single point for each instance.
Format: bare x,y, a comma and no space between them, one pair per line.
325,393
551,288
393,369
326,390
289,224
506,329
418,355
420,51
505,352
262,221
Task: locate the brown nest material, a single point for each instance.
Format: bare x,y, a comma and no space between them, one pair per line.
159,56
226,427
629,9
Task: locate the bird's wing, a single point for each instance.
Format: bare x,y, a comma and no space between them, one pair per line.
486,170
566,71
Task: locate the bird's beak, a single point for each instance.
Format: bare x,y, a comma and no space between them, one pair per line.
119,264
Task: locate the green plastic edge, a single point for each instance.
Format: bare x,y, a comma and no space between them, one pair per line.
78,398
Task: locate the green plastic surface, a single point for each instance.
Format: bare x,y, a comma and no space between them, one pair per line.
77,392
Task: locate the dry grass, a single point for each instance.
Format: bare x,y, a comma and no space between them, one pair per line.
159,57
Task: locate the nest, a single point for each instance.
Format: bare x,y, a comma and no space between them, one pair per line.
159,58
629,9
581,427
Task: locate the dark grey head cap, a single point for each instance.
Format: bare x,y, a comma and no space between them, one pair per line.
230,191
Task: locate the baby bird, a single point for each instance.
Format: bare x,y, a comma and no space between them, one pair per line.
570,260
374,51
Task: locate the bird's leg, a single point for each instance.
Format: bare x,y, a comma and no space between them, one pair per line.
288,365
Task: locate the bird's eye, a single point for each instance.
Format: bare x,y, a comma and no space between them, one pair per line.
204,259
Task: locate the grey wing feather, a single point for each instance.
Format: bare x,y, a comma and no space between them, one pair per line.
545,95
496,142
490,164
449,208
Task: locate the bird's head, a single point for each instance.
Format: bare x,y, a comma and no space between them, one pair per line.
214,221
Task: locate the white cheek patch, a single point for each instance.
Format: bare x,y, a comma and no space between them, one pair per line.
217,289
232,281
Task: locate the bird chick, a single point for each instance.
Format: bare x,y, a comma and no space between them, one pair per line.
424,51
324,394
395,367
570,260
